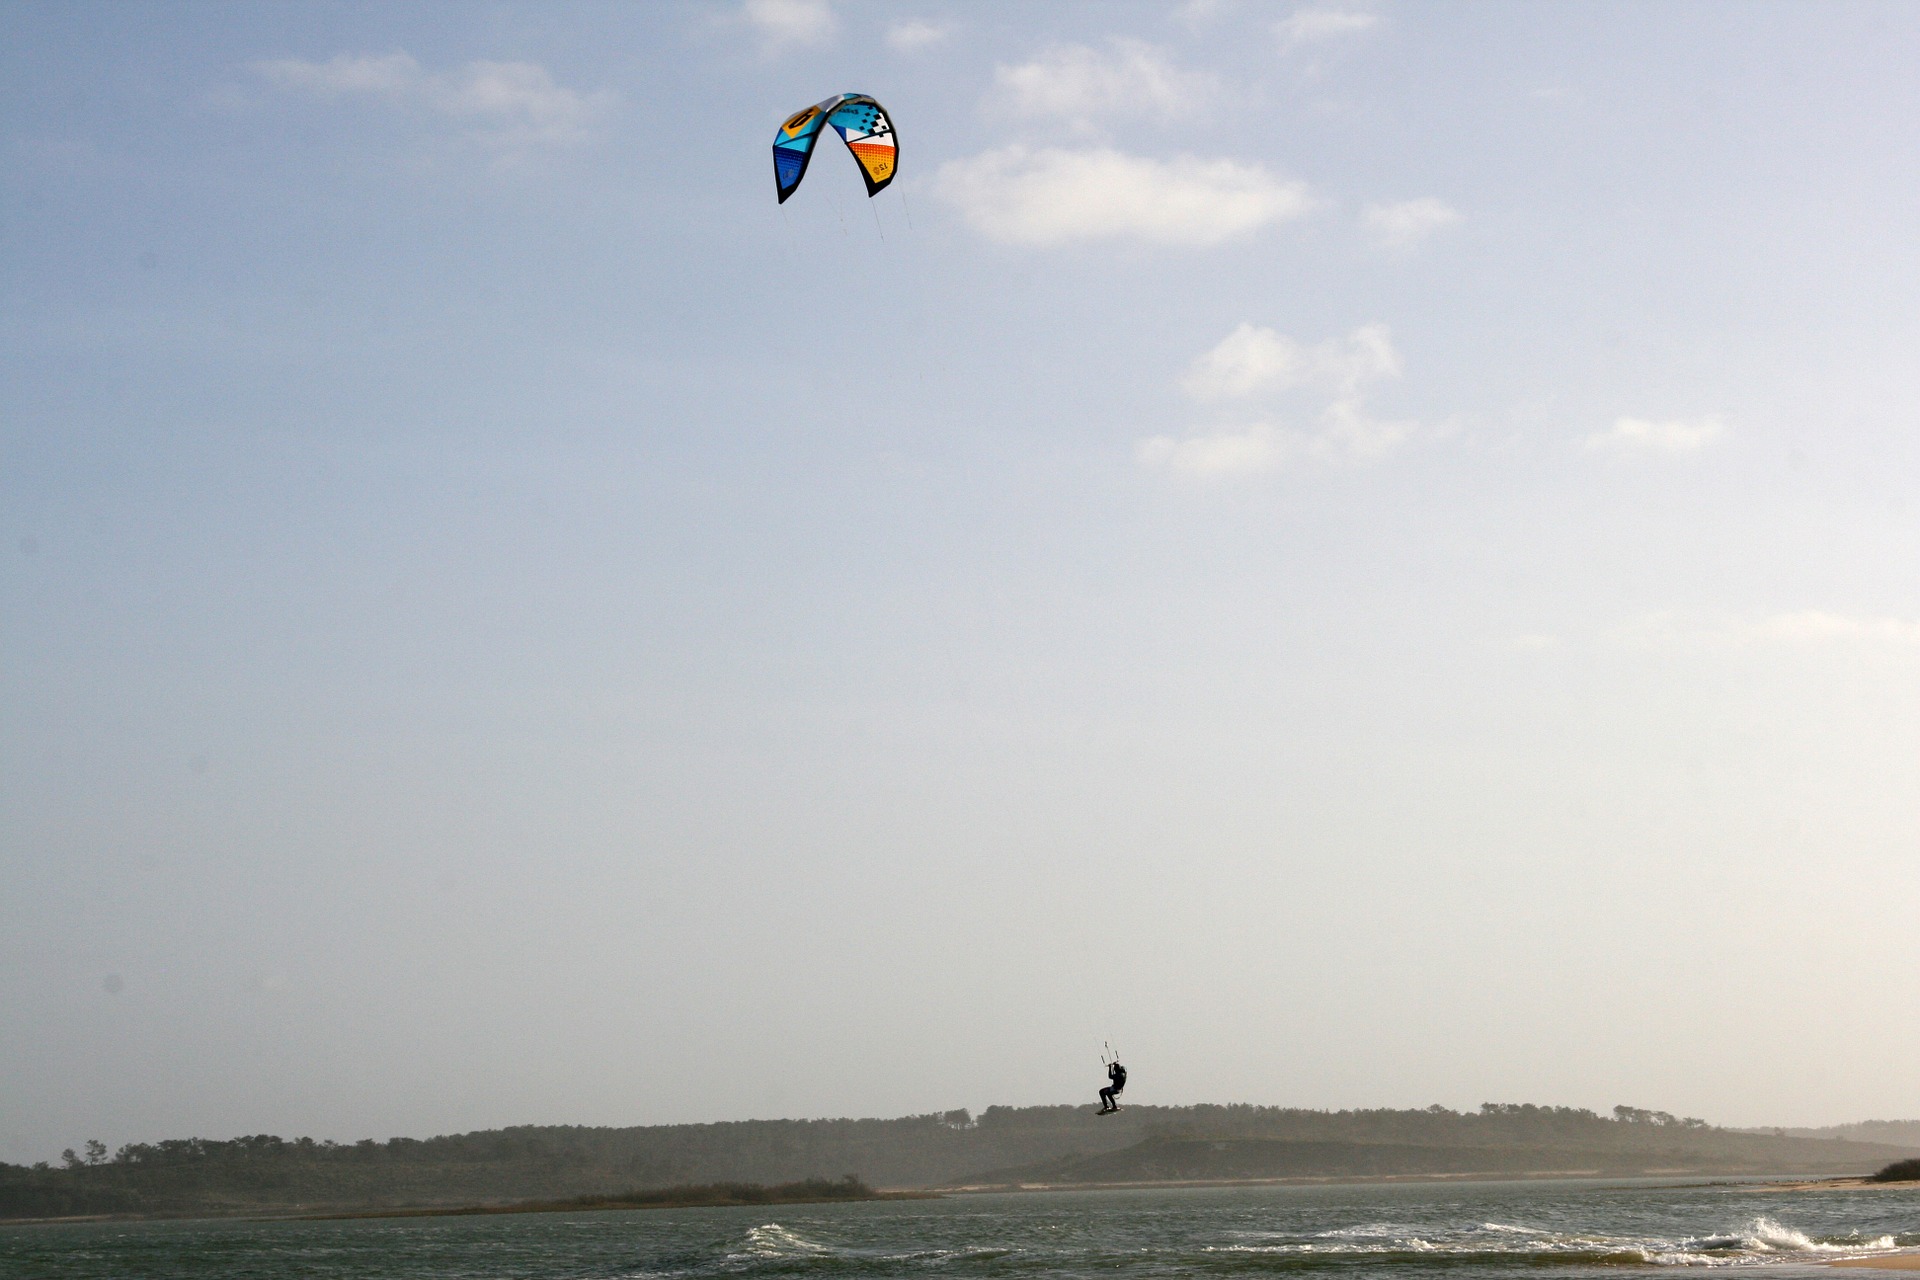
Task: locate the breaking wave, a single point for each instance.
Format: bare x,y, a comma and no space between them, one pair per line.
771,1240
1764,1235
1758,1241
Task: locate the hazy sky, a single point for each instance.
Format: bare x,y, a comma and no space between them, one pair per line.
1368,554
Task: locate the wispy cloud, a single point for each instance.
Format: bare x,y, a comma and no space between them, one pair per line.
1252,361
1344,434
1813,626
1252,366
1195,14
1317,25
1241,451
1808,628
913,36
788,24
508,106
1403,227
1084,87
1018,195
1642,436
395,75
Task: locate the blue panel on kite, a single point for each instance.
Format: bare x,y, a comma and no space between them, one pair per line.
788,165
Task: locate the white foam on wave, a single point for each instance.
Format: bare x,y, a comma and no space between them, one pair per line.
1370,1231
1758,1241
933,1257
1765,1236
1486,1237
771,1240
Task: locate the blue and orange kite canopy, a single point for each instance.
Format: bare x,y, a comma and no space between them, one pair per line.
861,123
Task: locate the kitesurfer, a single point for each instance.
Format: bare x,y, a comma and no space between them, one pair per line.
1110,1096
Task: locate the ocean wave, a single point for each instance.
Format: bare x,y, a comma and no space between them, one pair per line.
1368,1231
1764,1235
1449,1258
771,1240
778,1246
1758,1241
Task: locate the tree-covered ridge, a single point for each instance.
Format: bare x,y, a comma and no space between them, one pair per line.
268,1173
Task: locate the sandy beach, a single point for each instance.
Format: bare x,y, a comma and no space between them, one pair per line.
1891,1262
1831,1184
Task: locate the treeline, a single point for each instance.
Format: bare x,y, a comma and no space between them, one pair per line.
268,1173
1899,1133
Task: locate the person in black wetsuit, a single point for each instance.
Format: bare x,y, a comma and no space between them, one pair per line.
1110,1096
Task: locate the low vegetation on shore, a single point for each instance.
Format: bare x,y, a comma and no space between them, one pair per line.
707,1196
1899,1171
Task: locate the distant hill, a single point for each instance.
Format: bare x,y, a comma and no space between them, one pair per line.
1005,1145
1899,1133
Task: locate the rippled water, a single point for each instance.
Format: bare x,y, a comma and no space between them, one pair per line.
1405,1231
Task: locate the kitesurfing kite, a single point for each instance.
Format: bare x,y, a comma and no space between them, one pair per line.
861,123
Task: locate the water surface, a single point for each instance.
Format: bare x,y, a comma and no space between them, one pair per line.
1405,1231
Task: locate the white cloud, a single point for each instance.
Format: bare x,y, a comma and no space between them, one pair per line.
1815,627
913,36
1017,195
1199,13
1251,361
784,24
1401,227
393,76
1348,433
511,106
1255,363
520,104
1642,436
1313,26
1257,448
1079,85
1246,361
1805,629
1343,434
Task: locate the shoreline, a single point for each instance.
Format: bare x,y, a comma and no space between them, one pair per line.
1747,1184
606,1206
449,1211
1834,1184
1674,1177
1909,1261
692,1199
